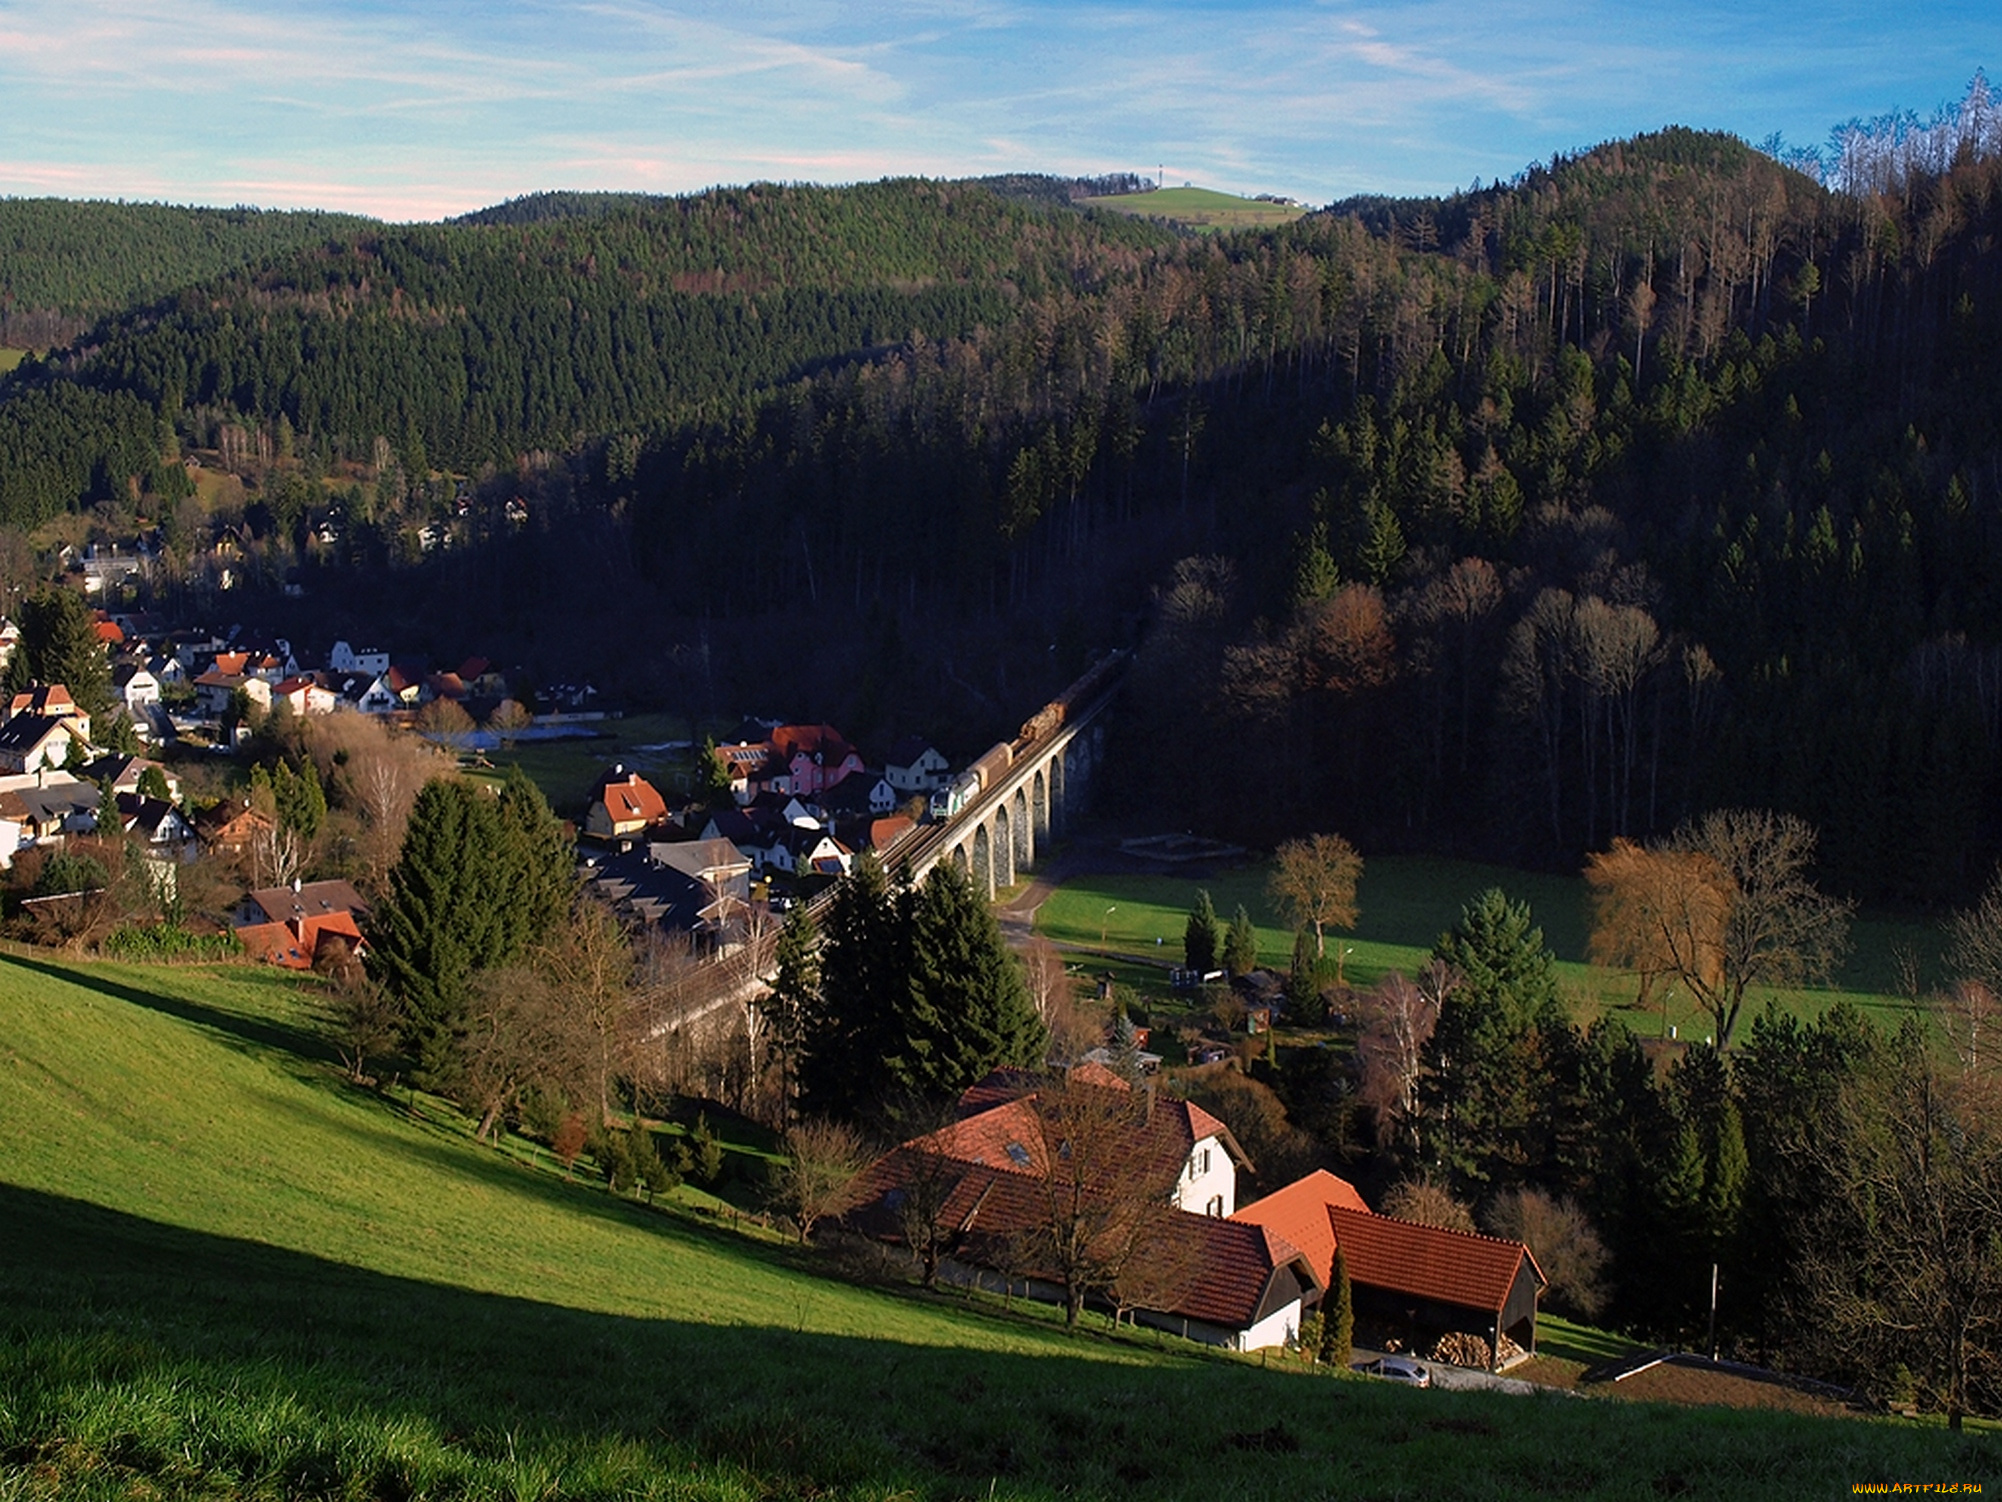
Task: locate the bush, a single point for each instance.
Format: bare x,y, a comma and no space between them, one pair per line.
164,943
1429,1203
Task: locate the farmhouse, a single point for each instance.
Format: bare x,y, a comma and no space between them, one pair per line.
1188,1269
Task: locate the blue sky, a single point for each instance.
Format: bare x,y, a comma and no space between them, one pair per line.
420,108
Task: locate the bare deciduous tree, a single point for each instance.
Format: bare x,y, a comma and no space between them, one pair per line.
1565,1246
1427,1202
1907,1272
1102,1201
818,1178
1397,1018
1314,882
1725,905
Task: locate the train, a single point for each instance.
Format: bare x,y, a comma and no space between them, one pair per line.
1048,720
994,764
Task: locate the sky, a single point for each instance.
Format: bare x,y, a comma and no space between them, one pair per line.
418,109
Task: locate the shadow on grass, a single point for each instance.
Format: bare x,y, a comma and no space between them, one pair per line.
273,1036
199,1364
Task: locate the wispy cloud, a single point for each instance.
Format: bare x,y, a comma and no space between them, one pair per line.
415,108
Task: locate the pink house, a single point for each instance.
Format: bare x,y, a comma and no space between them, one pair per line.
815,757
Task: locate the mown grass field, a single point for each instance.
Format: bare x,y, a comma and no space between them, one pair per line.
9,358
565,769
1406,902
1199,208
224,1273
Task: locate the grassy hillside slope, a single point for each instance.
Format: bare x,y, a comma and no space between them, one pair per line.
225,1274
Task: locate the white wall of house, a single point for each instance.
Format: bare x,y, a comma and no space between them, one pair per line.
346,659
1278,1327
1208,1185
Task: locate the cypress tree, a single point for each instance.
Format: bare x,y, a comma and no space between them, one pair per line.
1199,935
1338,1339
1240,945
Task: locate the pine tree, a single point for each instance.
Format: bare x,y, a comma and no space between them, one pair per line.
1199,935
1240,945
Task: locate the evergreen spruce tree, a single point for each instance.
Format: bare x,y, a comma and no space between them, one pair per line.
965,1009
1199,935
861,967
478,882
1240,945
795,994
59,644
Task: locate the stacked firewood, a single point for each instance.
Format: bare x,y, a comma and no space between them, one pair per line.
1462,1349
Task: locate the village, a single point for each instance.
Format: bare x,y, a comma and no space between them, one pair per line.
770,815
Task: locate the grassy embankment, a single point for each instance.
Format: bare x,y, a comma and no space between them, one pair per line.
1199,208
1406,902
227,1274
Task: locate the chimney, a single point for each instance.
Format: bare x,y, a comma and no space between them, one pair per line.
1147,1093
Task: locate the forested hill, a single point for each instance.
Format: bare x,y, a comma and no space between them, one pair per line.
1515,521
463,344
64,263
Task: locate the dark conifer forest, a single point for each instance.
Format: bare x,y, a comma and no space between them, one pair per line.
1660,477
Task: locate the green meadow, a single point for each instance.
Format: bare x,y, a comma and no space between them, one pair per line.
1406,902
1199,208
9,358
565,769
226,1273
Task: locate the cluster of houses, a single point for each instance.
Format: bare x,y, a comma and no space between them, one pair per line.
803,806
1242,1277
172,683
53,782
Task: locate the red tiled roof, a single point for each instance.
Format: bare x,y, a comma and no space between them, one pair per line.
634,800
790,740
274,944
987,1137
52,699
1299,1212
1429,1262
1194,1266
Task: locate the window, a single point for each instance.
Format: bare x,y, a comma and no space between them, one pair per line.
1203,1161
1214,1207
1019,1154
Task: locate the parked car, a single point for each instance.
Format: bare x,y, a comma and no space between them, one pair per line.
1396,1369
